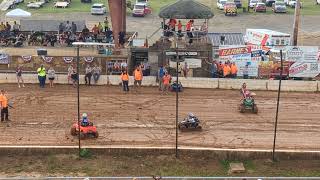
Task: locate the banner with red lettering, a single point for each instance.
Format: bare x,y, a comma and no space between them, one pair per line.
304,69
235,53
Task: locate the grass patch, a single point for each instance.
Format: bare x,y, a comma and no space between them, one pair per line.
149,165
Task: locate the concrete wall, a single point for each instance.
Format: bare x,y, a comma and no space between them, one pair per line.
190,82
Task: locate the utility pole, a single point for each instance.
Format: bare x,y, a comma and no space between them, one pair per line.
296,23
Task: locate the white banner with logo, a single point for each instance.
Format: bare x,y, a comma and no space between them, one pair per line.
4,59
302,53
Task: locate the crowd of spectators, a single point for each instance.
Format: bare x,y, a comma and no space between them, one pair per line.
68,32
190,30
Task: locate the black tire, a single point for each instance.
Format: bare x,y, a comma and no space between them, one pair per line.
73,131
255,109
96,134
82,135
242,108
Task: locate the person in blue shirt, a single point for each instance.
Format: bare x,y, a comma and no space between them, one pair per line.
161,73
84,120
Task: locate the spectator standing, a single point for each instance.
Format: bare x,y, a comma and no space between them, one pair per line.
109,36
166,83
88,75
234,70
8,29
125,81
106,24
172,24
246,72
137,74
51,76
19,76
70,71
85,32
179,29
188,29
214,69
122,38
15,28
100,27
73,27
220,69
74,77
68,27
185,69
95,32
96,73
161,73
42,76
4,106
61,28
226,70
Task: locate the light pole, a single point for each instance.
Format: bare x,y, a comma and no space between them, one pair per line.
277,111
78,96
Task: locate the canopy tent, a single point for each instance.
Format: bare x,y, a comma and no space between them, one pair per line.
186,9
18,13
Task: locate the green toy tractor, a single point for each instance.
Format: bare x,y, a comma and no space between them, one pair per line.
248,104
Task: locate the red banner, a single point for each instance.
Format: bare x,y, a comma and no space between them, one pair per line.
234,51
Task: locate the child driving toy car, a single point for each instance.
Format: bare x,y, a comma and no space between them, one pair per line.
84,120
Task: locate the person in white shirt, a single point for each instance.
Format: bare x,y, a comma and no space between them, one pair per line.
88,75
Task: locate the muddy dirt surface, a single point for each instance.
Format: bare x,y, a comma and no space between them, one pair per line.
44,117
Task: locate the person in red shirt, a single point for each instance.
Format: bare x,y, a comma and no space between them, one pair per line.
166,83
172,24
188,29
95,32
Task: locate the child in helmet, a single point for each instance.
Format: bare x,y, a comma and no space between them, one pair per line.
84,120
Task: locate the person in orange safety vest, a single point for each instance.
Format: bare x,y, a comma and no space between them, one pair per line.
125,81
137,74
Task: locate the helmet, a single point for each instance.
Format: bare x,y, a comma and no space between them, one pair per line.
190,114
84,115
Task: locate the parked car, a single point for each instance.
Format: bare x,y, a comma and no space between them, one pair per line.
253,3
270,2
230,8
86,1
220,4
238,3
98,9
292,3
260,7
141,10
279,7
145,2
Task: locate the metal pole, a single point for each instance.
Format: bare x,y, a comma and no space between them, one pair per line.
177,96
277,112
78,93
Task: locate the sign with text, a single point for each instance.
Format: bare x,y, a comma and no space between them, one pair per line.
304,69
302,53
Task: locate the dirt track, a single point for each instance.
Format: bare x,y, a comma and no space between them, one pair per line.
44,117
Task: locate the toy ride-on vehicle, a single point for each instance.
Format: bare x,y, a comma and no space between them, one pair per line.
86,130
174,86
191,122
248,104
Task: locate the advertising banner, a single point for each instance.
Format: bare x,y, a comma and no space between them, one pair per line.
4,59
304,69
302,53
234,53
